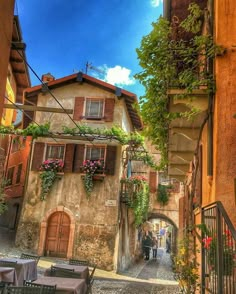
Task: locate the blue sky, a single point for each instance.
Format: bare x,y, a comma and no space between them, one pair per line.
62,36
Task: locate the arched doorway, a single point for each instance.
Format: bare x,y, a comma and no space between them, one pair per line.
170,222
58,233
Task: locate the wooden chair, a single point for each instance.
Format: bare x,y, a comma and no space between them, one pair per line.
30,256
22,290
91,279
73,261
64,273
45,289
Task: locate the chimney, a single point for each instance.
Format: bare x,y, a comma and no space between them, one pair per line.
47,78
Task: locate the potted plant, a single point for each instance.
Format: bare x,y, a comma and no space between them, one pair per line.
91,168
49,169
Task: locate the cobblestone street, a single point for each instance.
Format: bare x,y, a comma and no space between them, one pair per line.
146,277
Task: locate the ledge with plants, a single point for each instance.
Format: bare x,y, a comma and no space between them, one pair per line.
135,194
93,170
50,170
173,55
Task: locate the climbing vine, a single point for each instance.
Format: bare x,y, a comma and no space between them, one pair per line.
173,56
163,194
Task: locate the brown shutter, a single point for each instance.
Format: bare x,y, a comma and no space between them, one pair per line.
110,160
37,155
109,109
78,158
153,182
78,108
69,157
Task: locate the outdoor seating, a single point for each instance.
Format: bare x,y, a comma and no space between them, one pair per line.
30,256
45,289
6,263
78,262
22,290
65,273
91,279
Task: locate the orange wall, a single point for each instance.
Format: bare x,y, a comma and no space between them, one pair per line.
225,107
6,25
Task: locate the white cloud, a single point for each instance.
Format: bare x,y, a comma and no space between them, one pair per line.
118,75
156,3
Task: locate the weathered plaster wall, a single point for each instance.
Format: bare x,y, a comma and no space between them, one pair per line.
66,96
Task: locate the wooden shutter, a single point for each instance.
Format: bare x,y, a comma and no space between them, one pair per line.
109,109
78,108
78,158
37,155
110,160
69,158
153,182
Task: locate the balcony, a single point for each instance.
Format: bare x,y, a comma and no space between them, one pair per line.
184,133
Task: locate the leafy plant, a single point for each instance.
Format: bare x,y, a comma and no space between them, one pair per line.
163,194
49,169
3,204
169,59
137,190
91,167
186,267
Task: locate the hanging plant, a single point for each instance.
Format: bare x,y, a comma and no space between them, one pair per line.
90,168
49,169
173,57
137,193
163,194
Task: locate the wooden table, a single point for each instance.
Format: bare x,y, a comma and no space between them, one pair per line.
8,275
82,269
64,285
26,269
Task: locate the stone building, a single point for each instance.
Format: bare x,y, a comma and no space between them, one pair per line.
68,222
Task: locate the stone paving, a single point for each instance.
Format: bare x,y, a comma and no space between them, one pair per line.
145,277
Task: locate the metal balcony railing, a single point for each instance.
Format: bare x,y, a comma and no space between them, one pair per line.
218,251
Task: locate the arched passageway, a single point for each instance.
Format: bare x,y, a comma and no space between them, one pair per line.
165,228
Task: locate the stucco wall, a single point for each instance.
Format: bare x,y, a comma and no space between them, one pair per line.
225,107
66,96
96,228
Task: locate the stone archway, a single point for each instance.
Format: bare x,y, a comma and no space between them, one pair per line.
159,215
44,225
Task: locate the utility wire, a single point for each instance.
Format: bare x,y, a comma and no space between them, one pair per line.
26,114
49,91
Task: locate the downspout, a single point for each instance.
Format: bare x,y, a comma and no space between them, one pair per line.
167,9
211,99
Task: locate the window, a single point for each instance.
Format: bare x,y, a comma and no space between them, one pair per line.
10,174
18,174
94,108
95,153
18,143
55,152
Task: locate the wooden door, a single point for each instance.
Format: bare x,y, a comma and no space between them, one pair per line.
57,234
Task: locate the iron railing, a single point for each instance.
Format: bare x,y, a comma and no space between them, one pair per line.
218,251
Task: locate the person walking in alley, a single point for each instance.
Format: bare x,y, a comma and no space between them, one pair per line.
168,243
147,245
154,247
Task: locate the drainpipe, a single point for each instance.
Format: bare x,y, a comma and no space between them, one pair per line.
211,100
167,9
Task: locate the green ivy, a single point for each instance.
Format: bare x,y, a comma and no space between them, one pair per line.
47,180
88,184
169,61
163,194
